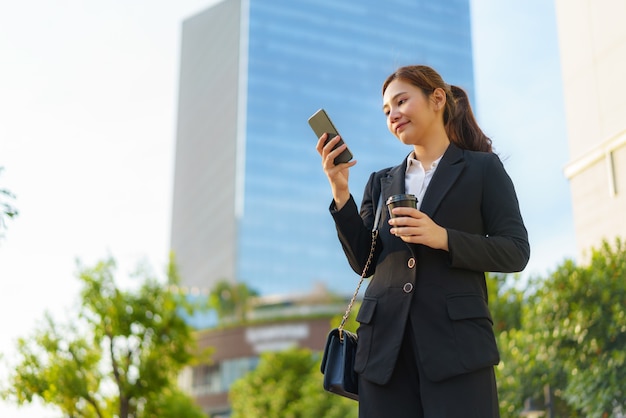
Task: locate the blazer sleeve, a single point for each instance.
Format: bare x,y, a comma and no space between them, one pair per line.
354,228
504,247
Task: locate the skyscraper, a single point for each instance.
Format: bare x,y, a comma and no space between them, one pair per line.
250,198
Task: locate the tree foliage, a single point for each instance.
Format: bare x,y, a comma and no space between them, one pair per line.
572,337
505,301
231,301
287,384
119,357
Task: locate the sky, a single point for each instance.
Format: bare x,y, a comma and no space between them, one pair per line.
88,98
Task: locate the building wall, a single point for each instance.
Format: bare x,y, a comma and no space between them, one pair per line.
592,40
203,231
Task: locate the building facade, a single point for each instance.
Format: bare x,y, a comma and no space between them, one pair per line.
250,200
236,351
273,324
592,40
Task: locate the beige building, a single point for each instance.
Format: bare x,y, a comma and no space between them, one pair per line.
592,38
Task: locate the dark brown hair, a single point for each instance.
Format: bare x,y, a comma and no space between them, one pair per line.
458,118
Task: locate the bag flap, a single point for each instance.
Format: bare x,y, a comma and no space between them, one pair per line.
334,334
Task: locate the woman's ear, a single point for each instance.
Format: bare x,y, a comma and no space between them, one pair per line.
439,98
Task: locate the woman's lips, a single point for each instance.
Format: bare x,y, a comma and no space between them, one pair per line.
400,126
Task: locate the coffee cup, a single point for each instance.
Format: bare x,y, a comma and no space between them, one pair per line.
401,200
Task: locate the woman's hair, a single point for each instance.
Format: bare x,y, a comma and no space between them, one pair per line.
458,118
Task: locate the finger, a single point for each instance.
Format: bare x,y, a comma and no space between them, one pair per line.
402,231
320,144
329,164
334,153
406,211
328,146
325,146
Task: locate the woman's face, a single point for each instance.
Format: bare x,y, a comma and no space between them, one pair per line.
411,115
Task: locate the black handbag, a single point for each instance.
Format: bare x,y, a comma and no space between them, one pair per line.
340,351
338,364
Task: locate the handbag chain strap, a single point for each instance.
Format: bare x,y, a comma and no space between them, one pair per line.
367,266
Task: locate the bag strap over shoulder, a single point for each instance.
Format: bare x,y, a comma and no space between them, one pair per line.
379,209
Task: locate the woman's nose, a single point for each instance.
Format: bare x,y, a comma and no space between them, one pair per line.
394,115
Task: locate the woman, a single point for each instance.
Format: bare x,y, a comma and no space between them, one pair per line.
426,343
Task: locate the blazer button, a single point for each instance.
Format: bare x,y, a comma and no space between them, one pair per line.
411,263
408,287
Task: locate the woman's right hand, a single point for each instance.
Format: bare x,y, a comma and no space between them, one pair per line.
337,174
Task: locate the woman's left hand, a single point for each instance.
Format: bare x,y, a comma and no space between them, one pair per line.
416,227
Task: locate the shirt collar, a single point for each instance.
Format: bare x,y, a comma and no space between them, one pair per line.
411,160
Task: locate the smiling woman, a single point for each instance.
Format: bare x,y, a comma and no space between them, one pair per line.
458,119
425,335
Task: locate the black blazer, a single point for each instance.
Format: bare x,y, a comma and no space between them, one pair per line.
445,294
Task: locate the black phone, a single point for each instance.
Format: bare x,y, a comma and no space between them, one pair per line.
321,124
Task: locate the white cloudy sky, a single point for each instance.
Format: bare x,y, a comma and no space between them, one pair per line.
87,121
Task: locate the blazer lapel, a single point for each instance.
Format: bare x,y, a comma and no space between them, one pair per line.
450,167
393,182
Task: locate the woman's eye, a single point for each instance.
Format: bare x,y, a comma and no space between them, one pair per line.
401,101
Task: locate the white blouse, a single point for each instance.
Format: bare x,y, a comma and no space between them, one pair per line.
416,179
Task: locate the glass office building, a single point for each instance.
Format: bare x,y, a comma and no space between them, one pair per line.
250,198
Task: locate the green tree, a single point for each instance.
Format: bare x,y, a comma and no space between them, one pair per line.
584,322
573,338
119,357
507,304
505,301
526,364
287,384
524,368
171,402
231,301
7,210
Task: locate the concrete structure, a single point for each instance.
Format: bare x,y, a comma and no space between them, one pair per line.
204,223
592,39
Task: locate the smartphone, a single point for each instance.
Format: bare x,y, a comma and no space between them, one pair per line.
321,124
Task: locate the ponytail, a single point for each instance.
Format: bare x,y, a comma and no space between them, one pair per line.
461,126
458,118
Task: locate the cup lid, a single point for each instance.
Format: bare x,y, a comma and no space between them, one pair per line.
400,197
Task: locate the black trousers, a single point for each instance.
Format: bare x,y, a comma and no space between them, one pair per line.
409,394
